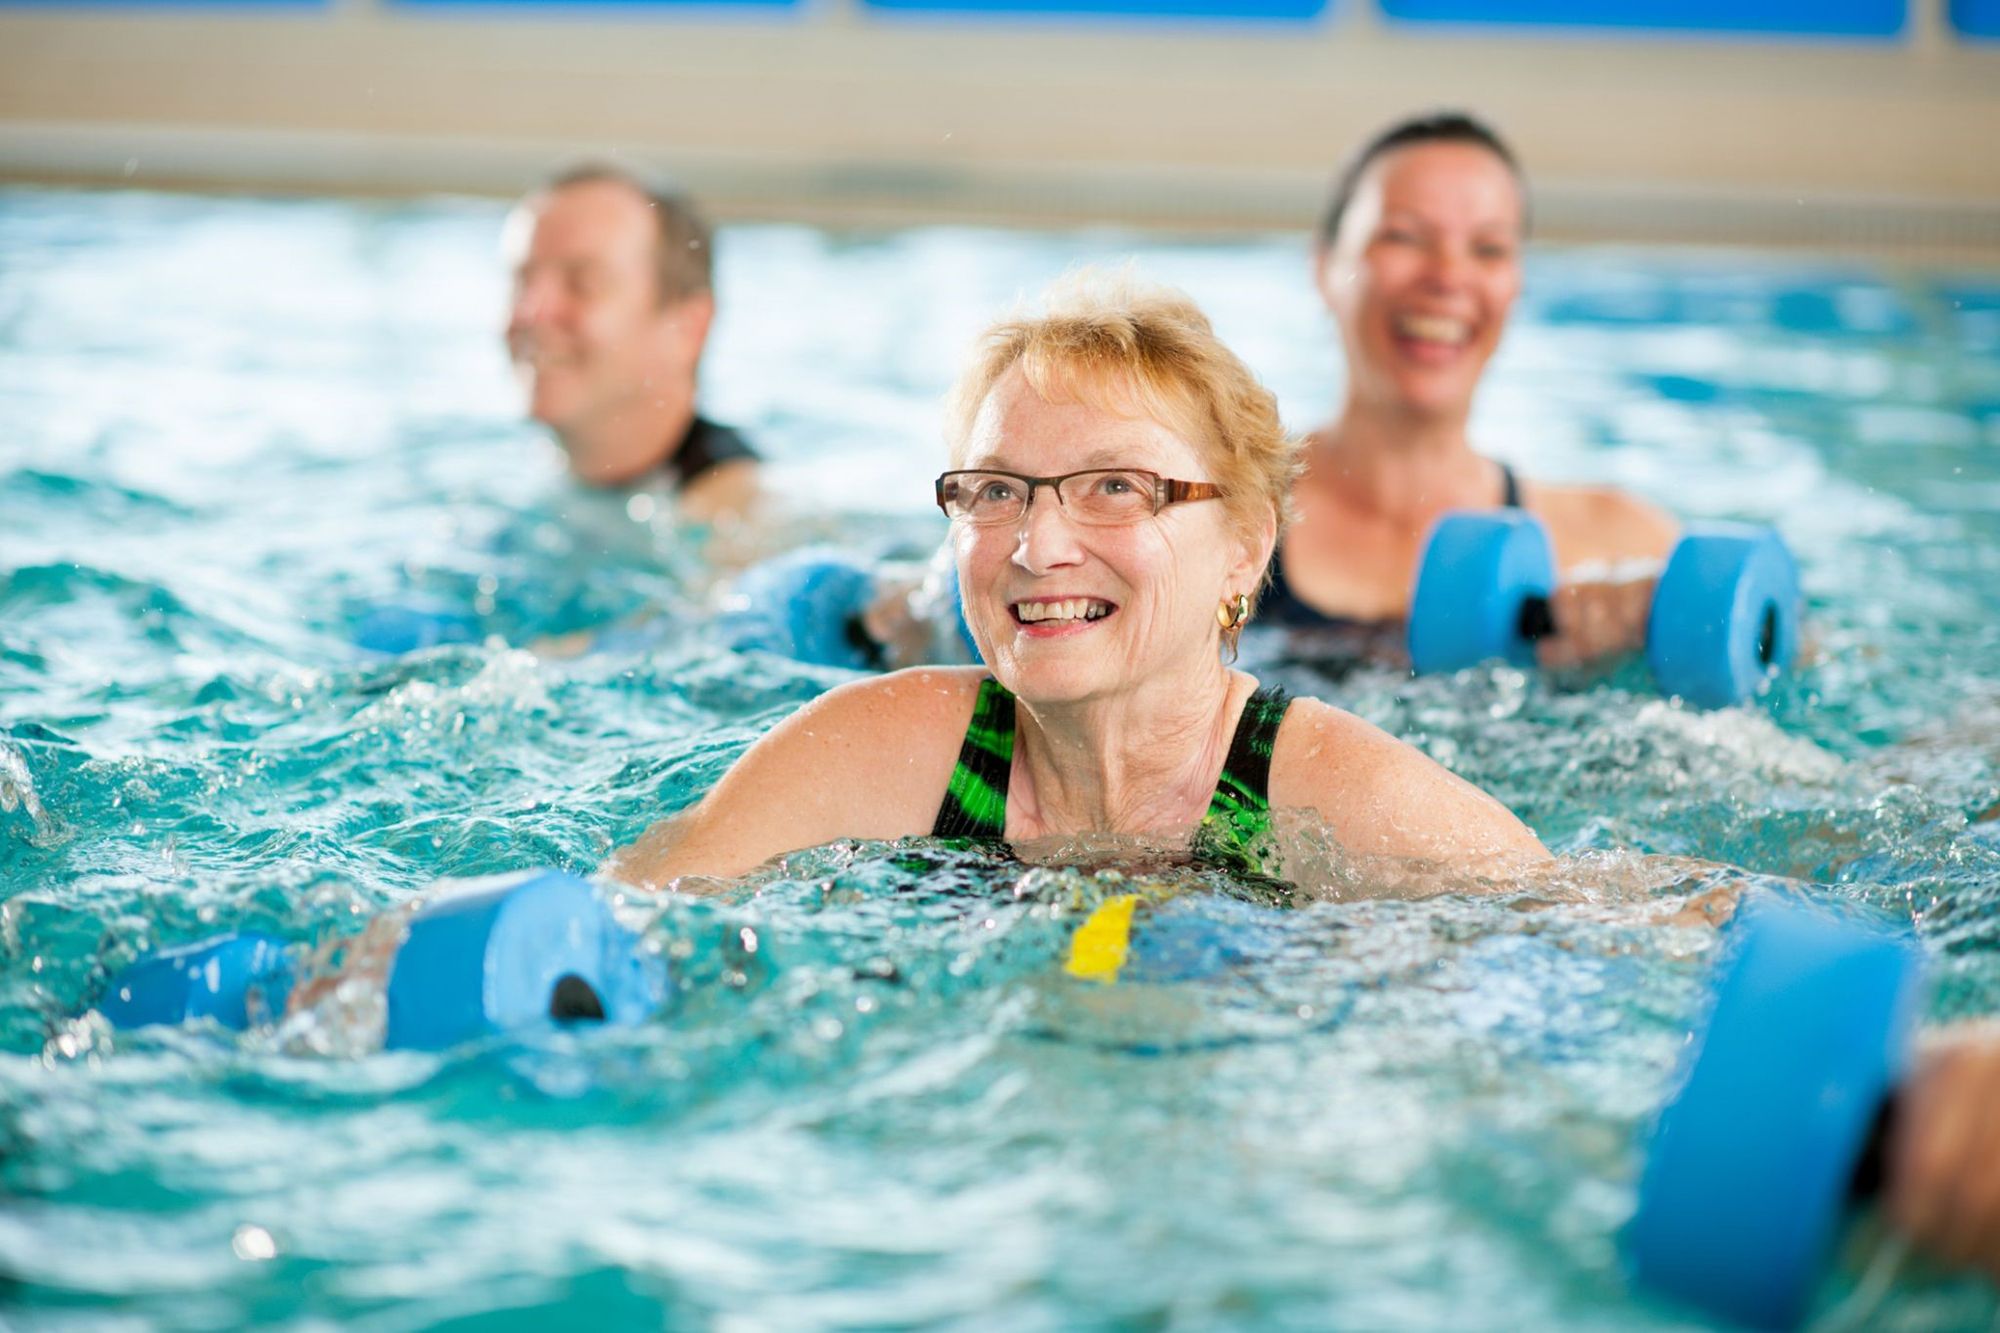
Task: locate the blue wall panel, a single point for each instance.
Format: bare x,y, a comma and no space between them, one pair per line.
179,7
1842,18
1976,18
1253,11
719,9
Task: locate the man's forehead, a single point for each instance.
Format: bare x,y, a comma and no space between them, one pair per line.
583,219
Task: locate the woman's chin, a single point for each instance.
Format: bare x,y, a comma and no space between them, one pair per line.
1045,678
1435,395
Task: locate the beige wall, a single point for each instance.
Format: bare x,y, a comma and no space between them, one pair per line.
835,114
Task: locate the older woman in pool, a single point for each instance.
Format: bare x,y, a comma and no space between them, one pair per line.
1418,259
1118,480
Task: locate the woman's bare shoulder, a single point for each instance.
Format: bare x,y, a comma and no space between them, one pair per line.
880,727
869,759
913,695
1601,524
1384,797
1321,749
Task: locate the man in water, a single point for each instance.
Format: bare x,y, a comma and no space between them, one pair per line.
613,297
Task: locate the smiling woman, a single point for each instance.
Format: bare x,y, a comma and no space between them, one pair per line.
1418,259
1101,585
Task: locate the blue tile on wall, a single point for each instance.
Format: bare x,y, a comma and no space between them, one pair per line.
1803,18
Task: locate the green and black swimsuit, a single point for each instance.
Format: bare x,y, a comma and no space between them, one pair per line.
975,803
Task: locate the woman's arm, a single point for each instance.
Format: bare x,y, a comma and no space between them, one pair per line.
867,760
1944,1158
1382,797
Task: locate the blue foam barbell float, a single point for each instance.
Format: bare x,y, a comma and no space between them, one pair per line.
806,605
1724,616
809,605
490,956
1482,592
222,979
1754,1162
502,956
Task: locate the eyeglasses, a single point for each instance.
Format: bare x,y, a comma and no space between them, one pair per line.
1104,495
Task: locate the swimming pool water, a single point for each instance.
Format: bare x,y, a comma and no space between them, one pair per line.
228,428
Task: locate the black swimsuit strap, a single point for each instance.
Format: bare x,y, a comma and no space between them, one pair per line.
1510,488
1246,770
705,447
1239,813
975,801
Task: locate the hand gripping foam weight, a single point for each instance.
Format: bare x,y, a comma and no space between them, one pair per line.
506,954
1751,1165
1725,615
213,979
807,606
1482,591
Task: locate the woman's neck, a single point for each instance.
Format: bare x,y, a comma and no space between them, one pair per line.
1401,464
1133,763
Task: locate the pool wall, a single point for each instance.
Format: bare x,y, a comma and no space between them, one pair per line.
1852,123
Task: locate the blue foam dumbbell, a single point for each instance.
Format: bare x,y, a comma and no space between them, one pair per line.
1778,1122
806,605
220,979
1483,588
497,956
1725,615
491,956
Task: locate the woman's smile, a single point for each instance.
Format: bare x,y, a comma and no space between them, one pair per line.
1048,617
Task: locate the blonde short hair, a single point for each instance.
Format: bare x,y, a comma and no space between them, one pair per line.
1134,348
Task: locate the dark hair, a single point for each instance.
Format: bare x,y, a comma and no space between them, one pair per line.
1431,127
684,260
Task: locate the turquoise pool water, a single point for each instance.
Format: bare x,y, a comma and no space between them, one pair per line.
229,428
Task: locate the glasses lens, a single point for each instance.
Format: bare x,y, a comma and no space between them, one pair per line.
985,497
1123,495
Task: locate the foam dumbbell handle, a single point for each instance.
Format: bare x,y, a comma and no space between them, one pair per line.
1483,589
807,606
1751,1166
1725,615
507,954
212,979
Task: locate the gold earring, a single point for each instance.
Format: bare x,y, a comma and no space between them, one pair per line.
1234,612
